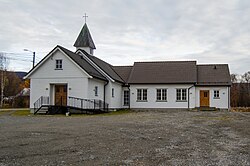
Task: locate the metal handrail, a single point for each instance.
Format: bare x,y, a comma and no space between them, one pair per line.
43,100
93,104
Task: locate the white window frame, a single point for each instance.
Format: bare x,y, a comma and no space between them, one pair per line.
113,92
96,90
181,94
59,65
143,97
161,94
216,94
126,98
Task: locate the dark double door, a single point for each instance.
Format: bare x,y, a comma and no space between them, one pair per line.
61,95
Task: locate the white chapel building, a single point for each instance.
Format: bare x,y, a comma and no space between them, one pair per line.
81,80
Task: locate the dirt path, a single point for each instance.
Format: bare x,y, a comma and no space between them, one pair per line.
141,138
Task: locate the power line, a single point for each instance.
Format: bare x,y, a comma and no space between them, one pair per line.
19,56
25,60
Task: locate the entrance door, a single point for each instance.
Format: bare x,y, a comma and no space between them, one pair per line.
204,98
61,95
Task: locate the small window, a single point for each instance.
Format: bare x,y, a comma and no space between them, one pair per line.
113,92
96,90
59,64
161,94
181,94
142,95
126,98
216,94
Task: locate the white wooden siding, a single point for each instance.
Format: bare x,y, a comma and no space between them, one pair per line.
151,96
91,90
77,87
222,102
116,101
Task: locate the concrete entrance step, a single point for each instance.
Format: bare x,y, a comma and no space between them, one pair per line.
208,109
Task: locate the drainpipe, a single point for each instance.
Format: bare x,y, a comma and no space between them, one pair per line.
188,94
104,93
229,106
129,97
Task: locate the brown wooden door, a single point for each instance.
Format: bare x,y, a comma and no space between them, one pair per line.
61,95
204,98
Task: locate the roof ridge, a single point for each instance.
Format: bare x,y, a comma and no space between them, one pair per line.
220,64
124,66
163,61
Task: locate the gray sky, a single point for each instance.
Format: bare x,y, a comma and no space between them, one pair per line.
125,31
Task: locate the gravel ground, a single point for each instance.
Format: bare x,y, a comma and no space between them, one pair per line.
138,138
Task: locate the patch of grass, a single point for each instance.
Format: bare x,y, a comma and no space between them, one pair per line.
118,112
223,118
21,113
4,111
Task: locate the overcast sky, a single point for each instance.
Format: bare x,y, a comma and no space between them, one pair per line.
125,31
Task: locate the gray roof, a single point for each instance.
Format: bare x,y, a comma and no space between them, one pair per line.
84,38
106,67
216,74
163,72
123,72
83,63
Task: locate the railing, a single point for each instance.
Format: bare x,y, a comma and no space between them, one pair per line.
93,104
74,102
43,100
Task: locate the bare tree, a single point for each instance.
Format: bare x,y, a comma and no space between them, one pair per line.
246,77
3,67
234,78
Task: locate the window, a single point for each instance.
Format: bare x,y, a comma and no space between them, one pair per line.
216,94
96,90
161,94
126,98
142,94
59,64
181,94
113,92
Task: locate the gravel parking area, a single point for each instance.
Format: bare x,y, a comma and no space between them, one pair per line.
138,138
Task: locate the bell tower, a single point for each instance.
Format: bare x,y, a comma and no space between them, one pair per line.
84,40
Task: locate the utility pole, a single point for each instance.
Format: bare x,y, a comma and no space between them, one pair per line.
34,55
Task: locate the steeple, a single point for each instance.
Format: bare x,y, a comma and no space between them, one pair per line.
84,40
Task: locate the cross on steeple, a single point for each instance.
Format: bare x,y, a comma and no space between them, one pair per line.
85,17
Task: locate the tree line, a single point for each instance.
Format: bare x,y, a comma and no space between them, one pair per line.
10,86
240,90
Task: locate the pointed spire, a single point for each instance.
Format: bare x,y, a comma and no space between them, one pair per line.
84,39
